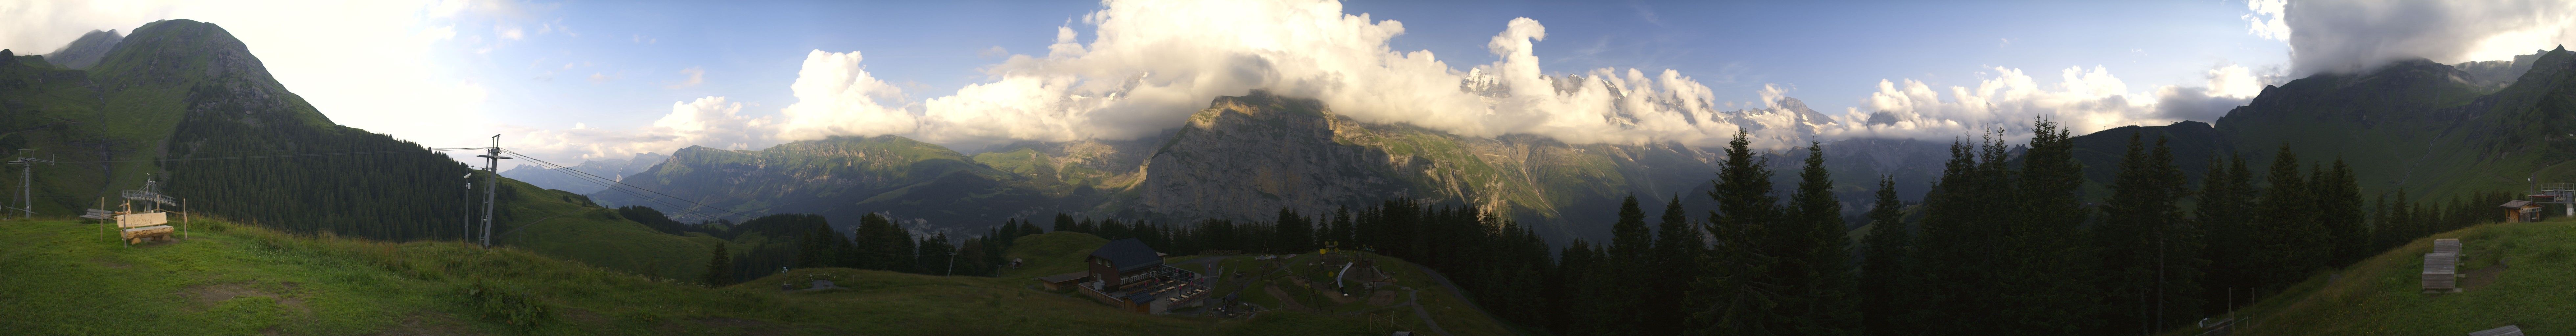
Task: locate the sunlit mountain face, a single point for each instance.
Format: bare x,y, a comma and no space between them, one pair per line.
1285,167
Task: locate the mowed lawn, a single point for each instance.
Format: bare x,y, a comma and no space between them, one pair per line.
63,278
2535,288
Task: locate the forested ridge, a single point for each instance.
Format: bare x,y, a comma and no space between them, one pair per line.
2001,246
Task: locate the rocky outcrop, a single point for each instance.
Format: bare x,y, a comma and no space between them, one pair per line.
1258,153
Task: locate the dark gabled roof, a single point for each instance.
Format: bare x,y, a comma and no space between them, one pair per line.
1127,255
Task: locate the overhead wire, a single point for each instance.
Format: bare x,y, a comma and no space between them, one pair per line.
417,150
596,179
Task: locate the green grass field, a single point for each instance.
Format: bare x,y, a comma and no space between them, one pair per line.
2382,295
65,278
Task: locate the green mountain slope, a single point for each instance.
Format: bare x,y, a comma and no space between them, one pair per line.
2515,272
242,280
2425,128
841,178
185,103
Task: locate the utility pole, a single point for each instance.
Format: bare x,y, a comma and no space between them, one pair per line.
26,185
491,184
465,231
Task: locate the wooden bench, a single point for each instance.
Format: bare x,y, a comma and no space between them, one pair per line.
2441,271
143,227
2448,245
2511,330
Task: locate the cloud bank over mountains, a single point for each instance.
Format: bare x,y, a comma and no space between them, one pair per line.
1148,64
2346,36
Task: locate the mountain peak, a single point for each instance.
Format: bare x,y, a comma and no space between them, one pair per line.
169,51
86,51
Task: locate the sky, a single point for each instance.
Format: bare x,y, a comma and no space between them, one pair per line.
572,80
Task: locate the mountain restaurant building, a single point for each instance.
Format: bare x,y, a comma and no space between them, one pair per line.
1131,276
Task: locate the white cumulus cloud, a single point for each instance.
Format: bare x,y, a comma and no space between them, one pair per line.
836,96
709,121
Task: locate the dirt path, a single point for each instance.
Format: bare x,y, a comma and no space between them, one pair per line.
1414,298
2483,276
1285,302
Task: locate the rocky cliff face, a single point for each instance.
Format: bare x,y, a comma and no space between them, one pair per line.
1251,155
1081,166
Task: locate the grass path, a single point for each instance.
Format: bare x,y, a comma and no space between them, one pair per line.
2382,295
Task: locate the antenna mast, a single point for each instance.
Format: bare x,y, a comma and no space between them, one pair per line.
491,160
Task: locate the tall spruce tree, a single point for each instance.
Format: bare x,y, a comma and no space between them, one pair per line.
1883,282
719,268
1294,232
2149,252
2339,210
2053,275
1678,244
1816,255
1953,256
1626,261
2288,243
1736,296
2226,202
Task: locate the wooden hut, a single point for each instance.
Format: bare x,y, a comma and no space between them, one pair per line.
2521,211
2441,272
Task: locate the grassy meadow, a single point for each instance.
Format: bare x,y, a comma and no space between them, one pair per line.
2517,275
65,278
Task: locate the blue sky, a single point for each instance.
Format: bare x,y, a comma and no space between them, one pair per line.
1832,54
659,75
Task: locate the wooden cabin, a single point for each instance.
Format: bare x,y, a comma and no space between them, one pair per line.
2441,272
2521,211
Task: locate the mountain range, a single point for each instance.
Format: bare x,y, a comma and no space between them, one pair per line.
1246,157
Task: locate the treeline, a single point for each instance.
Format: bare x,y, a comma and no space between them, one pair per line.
2002,244
312,178
782,241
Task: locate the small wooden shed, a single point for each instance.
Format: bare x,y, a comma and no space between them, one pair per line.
2521,211
2441,271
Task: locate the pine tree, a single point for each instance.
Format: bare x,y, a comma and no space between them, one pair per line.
1622,271
1953,257
1678,244
2339,210
1884,278
1735,296
1294,233
719,268
2149,251
2288,243
2055,292
1820,301
2226,199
